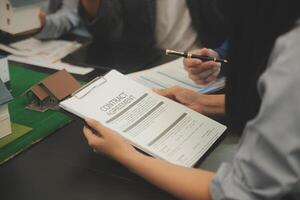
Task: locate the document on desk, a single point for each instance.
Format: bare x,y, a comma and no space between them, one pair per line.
172,74
47,54
157,125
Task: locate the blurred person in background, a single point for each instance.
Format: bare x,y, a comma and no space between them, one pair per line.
177,24
60,17
262,98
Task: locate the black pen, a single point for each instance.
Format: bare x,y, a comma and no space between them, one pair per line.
190,55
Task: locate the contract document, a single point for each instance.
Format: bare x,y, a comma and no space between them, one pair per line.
157,125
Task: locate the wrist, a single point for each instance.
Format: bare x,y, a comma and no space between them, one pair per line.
203,102
125,157
212,104
132,159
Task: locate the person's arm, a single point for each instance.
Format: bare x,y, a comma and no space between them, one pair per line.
222,50
91,7
205,104
182,182
60,22
267,163
103,18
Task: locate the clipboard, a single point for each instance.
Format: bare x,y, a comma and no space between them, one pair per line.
145,119
81,93
89,87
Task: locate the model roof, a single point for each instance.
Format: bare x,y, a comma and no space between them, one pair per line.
61,84
39,92
5,95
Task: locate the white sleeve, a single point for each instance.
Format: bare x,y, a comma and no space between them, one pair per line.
61,22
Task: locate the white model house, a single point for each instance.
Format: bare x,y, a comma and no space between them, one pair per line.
5,124
18,16
4,71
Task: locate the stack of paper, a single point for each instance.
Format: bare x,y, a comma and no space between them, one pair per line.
172,74
47,54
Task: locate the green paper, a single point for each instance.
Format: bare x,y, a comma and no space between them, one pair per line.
43,124
17,131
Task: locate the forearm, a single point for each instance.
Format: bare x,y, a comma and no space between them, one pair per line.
182,182
91,7
213,104
58,24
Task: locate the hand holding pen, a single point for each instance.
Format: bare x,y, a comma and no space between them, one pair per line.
201,71
196,56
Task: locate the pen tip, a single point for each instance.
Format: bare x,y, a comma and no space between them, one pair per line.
225,61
